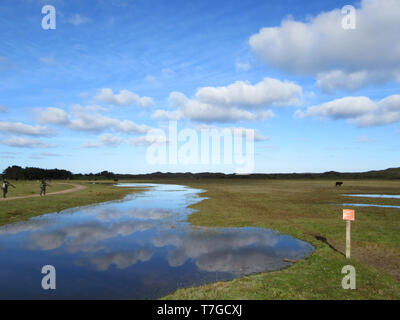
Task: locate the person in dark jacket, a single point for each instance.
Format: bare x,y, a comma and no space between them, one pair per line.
43,187
4,187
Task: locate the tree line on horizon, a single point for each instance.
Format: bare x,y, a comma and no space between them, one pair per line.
30,173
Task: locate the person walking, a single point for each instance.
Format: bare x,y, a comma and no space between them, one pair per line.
43,187
4,187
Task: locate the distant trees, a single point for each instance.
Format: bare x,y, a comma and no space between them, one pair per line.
28,173
19,173
104,175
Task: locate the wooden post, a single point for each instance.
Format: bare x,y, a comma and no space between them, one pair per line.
348,216
348,239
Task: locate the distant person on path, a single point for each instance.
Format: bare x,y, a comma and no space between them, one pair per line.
4,187
43,187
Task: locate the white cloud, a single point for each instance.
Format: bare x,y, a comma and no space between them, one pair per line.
123,98
339,58
3,108
240,101
23,129
106,140
26,143
269,92
52,116
97,122
332,80
110,140
145,102
362,111
147,140
344,108
78,20
50,154
77,108
167,115
90,122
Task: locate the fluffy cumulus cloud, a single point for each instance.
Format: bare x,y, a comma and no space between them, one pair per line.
84,120
97,122
362,111
339,58
123,98
19,142
23,129
240,101
52,116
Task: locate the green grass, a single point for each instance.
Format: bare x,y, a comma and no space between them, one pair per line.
26,188
318,277
22,209
309,210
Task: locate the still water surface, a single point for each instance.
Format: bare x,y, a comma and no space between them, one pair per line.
136,248
379,196
369,205
384,196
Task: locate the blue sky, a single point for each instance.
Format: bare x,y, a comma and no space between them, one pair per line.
84,96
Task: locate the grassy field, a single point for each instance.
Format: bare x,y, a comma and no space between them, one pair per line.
22,209
312,211
25,188
309,210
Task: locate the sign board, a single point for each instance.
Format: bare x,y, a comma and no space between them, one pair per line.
349,215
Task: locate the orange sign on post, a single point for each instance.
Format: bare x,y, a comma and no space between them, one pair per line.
349,215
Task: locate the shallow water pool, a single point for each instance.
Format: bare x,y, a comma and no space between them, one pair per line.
136,248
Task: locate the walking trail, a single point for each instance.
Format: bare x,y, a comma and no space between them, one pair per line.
76,187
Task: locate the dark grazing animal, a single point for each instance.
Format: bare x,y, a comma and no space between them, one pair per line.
339,184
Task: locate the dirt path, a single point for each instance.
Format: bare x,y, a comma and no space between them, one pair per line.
76,187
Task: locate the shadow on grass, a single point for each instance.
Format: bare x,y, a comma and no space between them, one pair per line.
324,240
